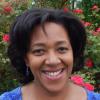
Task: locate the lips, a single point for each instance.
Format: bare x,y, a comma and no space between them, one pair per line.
54,74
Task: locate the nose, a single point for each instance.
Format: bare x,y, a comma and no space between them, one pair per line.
52,59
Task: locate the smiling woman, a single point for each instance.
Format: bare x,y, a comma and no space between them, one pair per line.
46,46
50,57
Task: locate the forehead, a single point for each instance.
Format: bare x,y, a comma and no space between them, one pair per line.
53,32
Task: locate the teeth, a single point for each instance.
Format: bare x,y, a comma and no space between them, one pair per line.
53,73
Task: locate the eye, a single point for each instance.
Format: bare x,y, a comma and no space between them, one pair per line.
62,49
38,52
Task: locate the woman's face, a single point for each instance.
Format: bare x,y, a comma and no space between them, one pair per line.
50,57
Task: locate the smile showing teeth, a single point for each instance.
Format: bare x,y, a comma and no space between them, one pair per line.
53,73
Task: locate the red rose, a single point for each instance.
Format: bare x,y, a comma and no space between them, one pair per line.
78,11
94,7
95,33
87,24
7,9
65,9
5,37
98,29
89,86
77,80
89,63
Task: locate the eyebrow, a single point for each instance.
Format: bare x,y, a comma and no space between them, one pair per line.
38,44
43,44
61,42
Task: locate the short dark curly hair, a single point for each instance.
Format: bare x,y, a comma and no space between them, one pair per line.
22,30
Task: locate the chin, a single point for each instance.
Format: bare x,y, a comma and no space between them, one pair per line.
55,87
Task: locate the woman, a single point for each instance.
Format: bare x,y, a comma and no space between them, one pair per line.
46,46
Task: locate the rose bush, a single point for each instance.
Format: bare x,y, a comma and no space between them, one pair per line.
92,63
92,53
80,81
9,9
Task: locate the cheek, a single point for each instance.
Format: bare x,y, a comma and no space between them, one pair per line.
35,62
68,61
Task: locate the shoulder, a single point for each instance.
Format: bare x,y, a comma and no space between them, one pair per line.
93,96
12,95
